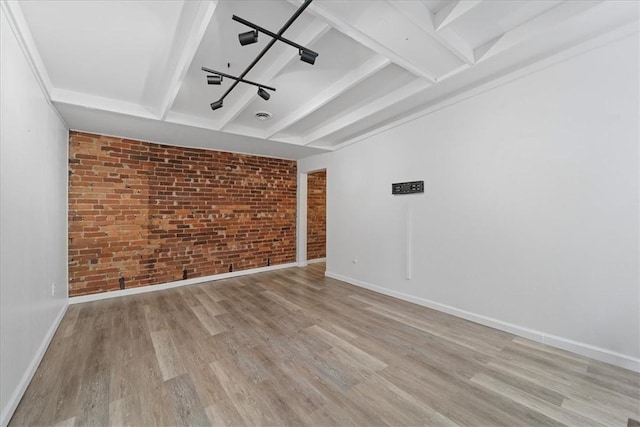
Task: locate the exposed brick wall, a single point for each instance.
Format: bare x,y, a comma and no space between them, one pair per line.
317,214
146,211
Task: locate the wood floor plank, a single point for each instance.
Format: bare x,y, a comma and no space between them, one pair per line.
44,382
117,413
167,355
303,396
154,318
615,379
69,422
439,420
573,387
454,398
125,412
207,302
77,349
282,301
247,400
385,405
94,388
555,352
223,413
524,385
208,321
186,403
552,411
605,418
151,405
361,357
400,398
291,347
68,323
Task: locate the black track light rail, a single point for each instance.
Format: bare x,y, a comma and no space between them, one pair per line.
238,79
275,37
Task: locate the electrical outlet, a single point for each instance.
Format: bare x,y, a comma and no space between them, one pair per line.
53,289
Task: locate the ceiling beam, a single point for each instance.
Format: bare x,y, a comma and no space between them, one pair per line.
95,102
182,53
530,29
453,11
435,105
348,81
165,79
352,30
418,13
370,108
266,71
456,45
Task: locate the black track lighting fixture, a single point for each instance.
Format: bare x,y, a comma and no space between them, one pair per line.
238,79
214,80
216,105
249,37
263,94
308,56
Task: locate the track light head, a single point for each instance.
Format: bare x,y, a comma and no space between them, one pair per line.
216,105
263,94
248,38
214,80
308,56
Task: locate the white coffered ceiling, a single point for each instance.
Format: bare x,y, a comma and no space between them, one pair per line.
132,68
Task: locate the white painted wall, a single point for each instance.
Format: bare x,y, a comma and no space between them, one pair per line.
33,222
529,220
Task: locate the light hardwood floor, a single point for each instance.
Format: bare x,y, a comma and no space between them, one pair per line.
292,347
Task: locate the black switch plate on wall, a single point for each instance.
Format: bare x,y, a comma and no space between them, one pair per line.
407,187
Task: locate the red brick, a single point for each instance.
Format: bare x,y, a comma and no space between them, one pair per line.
145,212
316,214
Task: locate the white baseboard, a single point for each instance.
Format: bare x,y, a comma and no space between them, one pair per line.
195,280
316,260
583,349
8,411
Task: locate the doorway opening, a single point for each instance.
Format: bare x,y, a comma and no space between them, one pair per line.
317,217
